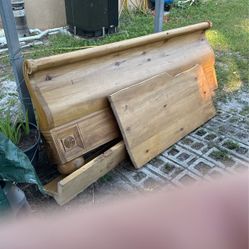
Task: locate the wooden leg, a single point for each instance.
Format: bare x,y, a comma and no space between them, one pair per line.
68,168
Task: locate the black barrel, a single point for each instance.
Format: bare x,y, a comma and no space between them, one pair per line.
92,17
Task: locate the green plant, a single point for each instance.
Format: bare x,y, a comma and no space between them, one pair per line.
12,130
220,155
245,110
231,145
25,125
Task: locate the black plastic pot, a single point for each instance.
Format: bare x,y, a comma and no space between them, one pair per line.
32,151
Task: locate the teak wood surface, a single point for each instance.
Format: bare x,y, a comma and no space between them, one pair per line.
69,86
156,113
68,90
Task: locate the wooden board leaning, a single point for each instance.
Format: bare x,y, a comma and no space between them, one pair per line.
156,113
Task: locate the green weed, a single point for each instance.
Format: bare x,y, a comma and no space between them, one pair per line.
11,130
231,145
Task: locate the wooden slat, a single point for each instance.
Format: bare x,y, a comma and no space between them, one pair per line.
156,113
64,190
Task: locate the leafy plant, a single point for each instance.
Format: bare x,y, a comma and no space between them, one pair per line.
25,125
14,130
11,130
220,155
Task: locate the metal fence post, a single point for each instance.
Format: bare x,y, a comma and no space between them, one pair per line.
159,8
16,59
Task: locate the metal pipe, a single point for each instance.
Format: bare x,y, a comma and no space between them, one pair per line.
41,34
159,8
15,55
32,44
38,31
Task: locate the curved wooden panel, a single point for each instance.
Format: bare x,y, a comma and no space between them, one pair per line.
67,90
69,86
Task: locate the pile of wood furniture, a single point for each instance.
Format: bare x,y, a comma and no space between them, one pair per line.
148,92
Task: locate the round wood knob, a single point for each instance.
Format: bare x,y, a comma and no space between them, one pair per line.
69,142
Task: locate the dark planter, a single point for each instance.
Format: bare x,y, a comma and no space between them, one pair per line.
32,151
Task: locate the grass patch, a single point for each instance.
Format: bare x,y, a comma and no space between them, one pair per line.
168,167
132,24
105,178
229,37
231,145
245,110
220,155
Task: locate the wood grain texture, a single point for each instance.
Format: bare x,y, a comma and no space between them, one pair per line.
74,139
70,86
58,60
67,90
70,167
156,113
65,189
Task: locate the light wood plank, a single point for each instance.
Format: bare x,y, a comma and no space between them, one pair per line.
64,190
156,113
